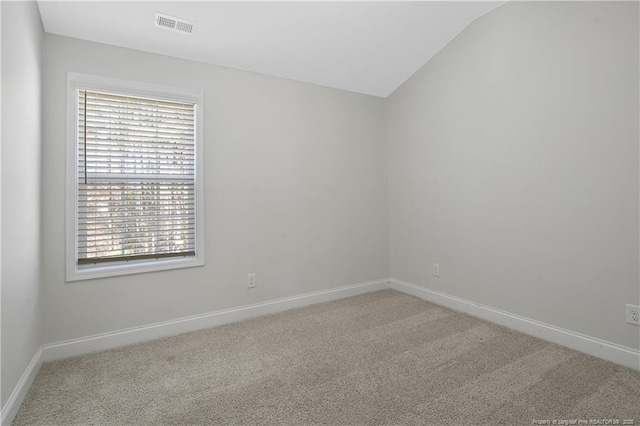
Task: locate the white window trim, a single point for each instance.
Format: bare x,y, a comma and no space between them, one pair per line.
77,81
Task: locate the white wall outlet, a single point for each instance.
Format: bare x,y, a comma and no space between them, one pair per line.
251,280
436,270
633,314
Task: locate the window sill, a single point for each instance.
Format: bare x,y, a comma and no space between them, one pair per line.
90,272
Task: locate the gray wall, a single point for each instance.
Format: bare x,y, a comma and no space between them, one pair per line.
295,178
513,162
21,105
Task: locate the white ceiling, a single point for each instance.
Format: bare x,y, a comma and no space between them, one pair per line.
365,47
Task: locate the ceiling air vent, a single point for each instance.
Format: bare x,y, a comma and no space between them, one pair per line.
173,23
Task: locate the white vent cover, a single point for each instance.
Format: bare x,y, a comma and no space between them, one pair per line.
173,23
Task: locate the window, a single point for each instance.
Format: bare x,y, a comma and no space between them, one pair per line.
136,203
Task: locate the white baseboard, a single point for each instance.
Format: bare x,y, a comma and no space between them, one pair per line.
12,406
609,351
99,342
628,357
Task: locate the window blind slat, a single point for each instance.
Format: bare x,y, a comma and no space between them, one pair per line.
110,108
125,133
137,122
127,168
119,244
136,257
95,228
108,113
106,244
115,243
136,103
137,100
136,229
98,220
162,211
139,151
138,141
107,197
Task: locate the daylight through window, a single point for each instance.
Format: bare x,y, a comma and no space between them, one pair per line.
135,178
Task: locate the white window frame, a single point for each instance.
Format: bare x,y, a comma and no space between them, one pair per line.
76,82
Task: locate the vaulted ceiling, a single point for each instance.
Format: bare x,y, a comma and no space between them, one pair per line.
365,47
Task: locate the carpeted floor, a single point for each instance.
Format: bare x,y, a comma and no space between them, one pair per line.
378,358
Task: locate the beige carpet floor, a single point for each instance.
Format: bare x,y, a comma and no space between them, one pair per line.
378,358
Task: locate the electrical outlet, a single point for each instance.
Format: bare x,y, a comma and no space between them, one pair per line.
633,314
251,280
436,270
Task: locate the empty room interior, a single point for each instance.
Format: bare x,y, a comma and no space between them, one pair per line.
320,212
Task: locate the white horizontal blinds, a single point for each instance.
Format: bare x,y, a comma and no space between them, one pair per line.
136,178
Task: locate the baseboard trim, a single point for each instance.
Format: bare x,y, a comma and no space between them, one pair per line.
99,342
609,351
14,402
603,349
